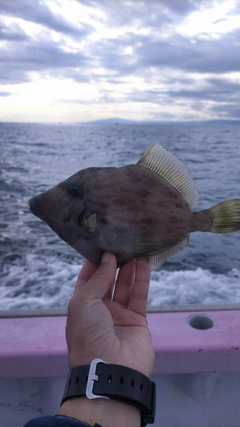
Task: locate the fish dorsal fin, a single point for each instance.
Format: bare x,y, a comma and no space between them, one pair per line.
169,167
155,260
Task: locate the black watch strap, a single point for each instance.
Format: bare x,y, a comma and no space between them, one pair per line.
103,380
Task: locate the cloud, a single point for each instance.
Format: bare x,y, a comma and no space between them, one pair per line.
3,94
40,13
141,12
228,110
182,53
12,34
125,52
17,64
24,54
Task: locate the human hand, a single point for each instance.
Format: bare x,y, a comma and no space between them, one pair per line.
113,329
110,328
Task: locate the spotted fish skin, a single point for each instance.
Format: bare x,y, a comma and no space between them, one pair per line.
141,211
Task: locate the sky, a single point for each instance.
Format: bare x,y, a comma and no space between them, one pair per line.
82,60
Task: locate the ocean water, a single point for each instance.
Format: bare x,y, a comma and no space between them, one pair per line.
38,270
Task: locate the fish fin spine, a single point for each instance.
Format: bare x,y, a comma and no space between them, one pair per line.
154,260
226,216
168,166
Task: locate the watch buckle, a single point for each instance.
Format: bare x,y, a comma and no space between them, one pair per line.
92,377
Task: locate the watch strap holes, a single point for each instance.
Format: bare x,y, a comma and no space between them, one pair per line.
110,381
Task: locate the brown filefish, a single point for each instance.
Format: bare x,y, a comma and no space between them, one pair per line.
141,211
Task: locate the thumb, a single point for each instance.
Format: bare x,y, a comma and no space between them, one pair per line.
103,278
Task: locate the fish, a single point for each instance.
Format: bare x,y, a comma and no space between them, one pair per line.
144,211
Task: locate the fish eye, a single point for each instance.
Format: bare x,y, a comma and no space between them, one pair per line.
75,189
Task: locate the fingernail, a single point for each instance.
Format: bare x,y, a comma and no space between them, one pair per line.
105,257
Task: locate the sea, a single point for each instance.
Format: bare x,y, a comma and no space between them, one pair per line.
39,271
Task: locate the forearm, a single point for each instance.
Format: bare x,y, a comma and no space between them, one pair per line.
101,411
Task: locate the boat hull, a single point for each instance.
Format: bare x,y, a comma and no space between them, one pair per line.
197,368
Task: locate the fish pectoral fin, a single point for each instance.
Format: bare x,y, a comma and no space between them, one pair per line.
91,223
154,260
169,167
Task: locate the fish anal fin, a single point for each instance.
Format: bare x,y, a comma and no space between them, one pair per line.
169,167
154,260
90,223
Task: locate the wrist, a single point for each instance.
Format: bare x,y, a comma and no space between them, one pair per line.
121,391
101,411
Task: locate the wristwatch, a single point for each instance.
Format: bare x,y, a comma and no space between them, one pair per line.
109,381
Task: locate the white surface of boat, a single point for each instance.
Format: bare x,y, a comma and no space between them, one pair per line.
197,368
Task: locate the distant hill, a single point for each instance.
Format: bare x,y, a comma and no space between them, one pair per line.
119,121
113,121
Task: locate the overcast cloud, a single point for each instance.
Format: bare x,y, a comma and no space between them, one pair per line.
79,60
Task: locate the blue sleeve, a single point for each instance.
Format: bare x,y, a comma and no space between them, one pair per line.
57,421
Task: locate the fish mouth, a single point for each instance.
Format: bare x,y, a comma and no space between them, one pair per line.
35,207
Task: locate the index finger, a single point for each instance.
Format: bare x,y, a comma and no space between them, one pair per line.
139,296
86,272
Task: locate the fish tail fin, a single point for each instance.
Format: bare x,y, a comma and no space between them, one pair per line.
226,216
